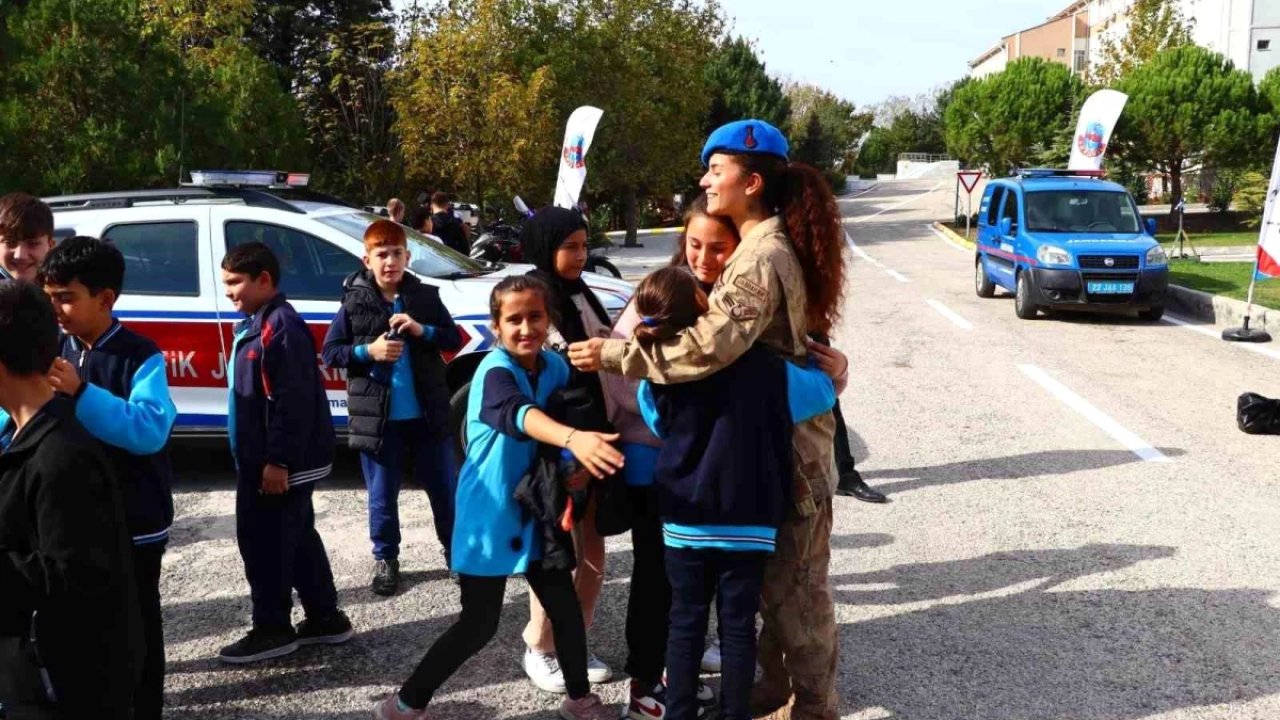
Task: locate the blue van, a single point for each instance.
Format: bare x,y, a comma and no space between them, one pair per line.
1063,240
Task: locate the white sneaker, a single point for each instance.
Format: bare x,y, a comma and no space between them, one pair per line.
544,670
711,658
597,671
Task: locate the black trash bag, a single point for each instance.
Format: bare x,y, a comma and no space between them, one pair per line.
1258,415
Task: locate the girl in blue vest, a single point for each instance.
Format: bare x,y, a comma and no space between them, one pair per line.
723,480
493,538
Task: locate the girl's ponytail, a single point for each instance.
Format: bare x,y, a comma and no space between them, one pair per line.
812,219
668,300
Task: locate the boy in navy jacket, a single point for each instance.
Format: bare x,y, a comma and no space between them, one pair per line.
282,440
389,334
118,381
70,642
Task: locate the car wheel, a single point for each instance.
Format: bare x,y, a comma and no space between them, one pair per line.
1151,314
458,420
981,281
1022,305
598,265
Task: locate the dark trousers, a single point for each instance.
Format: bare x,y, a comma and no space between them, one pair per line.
482,599
282,552
148,699
649,603
408,444
735,579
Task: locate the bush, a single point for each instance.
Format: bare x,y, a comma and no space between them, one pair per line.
1224,190
1251,197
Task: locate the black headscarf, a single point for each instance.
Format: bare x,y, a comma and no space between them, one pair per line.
540,238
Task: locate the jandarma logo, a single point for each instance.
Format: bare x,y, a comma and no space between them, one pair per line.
1090,143
573,153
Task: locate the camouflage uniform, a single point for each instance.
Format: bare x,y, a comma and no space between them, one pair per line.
760,297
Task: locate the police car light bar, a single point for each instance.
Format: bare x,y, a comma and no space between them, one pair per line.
1058,172
249,178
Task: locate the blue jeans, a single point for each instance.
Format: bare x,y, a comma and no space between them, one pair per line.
735,579
405,444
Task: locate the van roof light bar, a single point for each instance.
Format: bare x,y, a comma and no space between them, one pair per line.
1058,172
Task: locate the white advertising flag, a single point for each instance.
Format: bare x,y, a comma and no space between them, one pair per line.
1098,118
573,155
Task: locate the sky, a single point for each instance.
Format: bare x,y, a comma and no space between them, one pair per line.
866,51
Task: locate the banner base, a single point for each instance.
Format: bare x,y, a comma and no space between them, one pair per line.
1246,334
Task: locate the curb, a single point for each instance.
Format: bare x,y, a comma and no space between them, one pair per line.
646,231
1217,309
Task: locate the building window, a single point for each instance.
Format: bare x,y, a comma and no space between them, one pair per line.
1062,52
1264,45
1082,61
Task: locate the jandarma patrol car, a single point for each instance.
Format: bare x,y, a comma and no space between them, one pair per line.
174,240
1063,240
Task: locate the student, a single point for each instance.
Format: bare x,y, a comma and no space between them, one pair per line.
493,537
70,641
389,334
395,210
282,440
723,479
118,382
555,241
26,236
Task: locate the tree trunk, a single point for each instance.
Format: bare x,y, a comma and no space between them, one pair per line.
632,213
1175,183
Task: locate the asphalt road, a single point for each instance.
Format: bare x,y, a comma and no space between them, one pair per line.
1077,529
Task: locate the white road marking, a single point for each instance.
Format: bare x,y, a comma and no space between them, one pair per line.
1136,445
1209,331
859,194
950,314
863,254
895,206
948,240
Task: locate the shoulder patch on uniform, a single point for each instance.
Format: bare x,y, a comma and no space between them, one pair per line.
750,287
744,312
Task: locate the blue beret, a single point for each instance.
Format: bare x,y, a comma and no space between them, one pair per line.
746,137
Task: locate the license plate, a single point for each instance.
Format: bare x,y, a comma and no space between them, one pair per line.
1110,288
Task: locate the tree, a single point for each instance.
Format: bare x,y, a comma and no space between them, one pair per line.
842,124
1187,105
293,35
1150,27
468,114
742,88
815,146
1005,120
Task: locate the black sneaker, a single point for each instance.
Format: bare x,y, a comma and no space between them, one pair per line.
260,644
332,630
386,577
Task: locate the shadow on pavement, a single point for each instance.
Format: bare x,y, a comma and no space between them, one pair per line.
1048,653
1013,467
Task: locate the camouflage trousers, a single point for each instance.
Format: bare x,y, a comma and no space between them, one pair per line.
799,645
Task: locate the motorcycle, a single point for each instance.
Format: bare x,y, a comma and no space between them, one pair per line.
500,243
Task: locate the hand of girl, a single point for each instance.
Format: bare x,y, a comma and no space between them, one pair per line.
595,453
830,360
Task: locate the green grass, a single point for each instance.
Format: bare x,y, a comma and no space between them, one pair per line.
1216,239
1229,279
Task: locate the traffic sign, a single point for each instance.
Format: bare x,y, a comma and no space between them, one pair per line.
969,178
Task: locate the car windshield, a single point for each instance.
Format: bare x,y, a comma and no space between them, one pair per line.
426,256
1079,211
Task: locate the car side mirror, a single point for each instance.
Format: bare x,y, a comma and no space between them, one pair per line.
1006,226
1151,227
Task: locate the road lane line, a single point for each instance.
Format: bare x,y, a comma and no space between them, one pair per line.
1118,432
863,254
948,240
950,314
1209,331
895,206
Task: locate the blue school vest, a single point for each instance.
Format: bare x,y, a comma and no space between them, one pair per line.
490,536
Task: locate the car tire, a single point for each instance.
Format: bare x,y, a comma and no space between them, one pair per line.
982,281
458,420
1151,314
596,266
1023,307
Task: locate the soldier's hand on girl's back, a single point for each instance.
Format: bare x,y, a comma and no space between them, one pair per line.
595,453
384,350
830,361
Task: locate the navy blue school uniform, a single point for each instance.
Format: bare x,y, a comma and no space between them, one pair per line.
279,415
723,481
124,402
398,412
